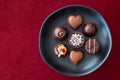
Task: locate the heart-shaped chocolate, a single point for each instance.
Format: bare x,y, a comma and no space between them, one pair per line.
75,21
76,56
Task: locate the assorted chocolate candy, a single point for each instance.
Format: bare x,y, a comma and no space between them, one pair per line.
60,50
76,39
89,29
76,56
75,21
92,46
60,32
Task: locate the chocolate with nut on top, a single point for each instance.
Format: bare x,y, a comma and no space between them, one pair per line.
60,50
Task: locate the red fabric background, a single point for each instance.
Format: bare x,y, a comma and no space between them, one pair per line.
20,22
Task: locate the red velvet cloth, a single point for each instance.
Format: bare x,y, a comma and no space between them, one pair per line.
20,23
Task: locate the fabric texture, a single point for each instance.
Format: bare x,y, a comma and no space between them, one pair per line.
20,23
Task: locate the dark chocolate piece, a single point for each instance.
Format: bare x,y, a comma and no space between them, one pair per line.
60,32
92,46
89,29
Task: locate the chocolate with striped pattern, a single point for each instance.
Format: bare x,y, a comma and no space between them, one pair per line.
92,46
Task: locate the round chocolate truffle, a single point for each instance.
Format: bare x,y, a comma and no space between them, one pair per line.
60,50
92,46
89,29
60,32
76,40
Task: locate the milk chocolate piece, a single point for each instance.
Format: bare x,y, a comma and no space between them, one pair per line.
92,46
75,21
76,56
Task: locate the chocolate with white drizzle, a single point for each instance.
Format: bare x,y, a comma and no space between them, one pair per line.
92,46
76,40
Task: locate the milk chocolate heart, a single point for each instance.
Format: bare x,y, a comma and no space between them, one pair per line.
76,56
75,21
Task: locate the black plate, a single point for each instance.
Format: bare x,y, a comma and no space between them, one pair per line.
63,65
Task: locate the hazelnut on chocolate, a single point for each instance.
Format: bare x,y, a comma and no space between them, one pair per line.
60,50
